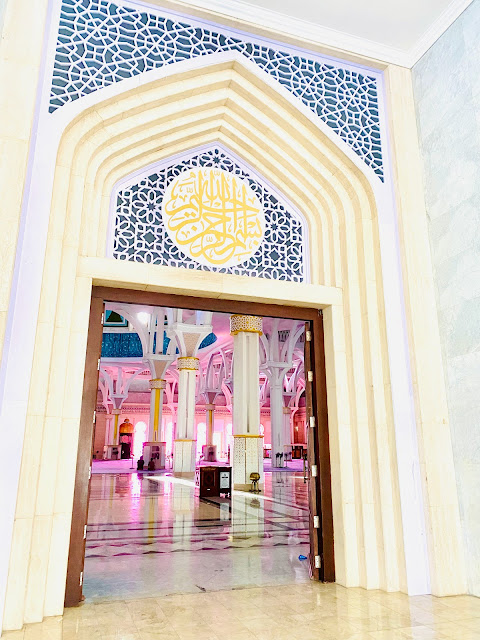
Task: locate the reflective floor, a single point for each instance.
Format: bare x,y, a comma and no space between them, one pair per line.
234,570
151,535
310,611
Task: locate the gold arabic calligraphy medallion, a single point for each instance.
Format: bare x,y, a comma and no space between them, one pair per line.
213,217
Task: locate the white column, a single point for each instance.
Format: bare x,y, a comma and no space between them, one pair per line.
157,385
209,411
287,430
109,429
276,417
185,443
247,447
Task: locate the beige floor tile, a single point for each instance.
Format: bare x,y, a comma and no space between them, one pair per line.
403,634
14,635
158,635
455,631
270,629
470,623
122,635
420,633
297,612
78,634
149,621
49,629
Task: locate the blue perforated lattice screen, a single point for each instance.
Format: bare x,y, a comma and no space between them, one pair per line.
101,42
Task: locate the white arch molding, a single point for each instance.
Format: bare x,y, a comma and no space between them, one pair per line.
223,121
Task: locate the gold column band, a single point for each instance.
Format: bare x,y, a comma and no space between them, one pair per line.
189,363
246,435
157,383
245,324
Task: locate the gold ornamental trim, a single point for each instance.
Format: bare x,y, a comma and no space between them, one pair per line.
184,440
246,435
245,324
157,383
188,363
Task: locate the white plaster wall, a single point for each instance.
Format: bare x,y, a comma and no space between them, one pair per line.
447,96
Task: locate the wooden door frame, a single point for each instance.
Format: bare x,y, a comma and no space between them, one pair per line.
100,295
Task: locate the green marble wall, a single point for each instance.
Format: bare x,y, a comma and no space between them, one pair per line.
447,94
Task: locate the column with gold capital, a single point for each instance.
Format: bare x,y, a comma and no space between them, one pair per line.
248,443
185,443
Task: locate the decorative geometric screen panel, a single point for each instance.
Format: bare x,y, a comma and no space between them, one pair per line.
140,235
101,42
129,345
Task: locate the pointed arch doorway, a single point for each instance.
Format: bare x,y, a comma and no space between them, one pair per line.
321,557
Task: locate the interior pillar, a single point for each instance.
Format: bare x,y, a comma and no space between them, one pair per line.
276,417
287,430
185,443
210,409
248,444
109,429
116,430
157,385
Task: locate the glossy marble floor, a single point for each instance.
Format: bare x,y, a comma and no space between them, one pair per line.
151,535
309,611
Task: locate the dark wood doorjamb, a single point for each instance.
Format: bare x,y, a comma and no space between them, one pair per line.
319,392
78,530
76,558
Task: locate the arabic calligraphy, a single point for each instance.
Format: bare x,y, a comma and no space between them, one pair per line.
213,216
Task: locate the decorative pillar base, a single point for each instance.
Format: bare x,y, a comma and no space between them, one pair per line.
184,453
155,450
112,452
247,458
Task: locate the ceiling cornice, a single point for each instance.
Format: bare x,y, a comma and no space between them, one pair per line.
309,33
437,29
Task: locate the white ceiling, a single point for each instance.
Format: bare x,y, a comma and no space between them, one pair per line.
397,31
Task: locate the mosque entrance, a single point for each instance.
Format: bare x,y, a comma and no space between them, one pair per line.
203,429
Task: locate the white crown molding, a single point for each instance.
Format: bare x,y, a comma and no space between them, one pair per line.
437,29
259,17
310,33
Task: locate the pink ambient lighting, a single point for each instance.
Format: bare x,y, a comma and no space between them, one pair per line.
139,437
169,438
201,437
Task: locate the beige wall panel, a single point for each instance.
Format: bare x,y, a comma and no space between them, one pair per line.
27,489
343,481
20,57
42,533
14,616
445,546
